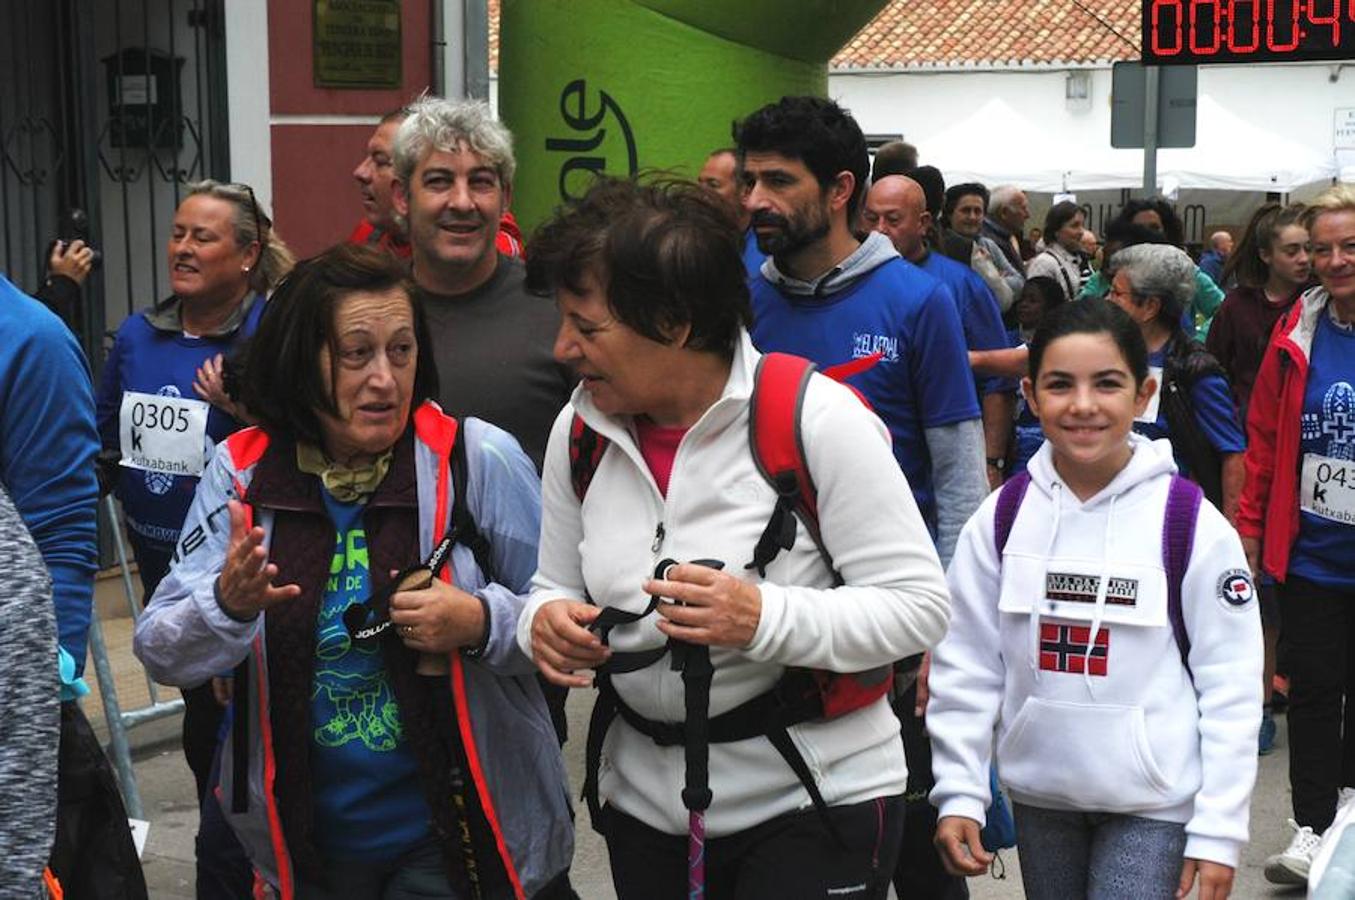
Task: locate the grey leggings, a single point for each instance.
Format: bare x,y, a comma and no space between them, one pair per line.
1100,856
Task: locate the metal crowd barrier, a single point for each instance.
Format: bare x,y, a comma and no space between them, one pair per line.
121,721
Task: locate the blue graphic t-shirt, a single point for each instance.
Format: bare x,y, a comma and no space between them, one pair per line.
1325,547
922,380
368,802
980,316
1215,414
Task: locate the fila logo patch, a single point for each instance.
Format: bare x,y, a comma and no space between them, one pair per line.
1063,648
1083,588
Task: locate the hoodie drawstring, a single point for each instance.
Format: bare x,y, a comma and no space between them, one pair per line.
1102,588
1056,491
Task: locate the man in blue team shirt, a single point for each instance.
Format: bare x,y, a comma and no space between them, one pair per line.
896,206
827,296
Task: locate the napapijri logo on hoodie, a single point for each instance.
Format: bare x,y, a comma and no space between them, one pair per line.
1083,589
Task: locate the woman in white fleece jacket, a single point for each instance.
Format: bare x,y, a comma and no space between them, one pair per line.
654,302
1128,745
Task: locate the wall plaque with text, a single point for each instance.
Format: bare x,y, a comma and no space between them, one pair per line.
357,44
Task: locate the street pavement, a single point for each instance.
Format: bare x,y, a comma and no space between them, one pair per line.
167,794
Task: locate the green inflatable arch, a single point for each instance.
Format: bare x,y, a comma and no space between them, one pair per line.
616,86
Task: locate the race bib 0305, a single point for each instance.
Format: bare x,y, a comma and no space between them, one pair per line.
163,434
1327,488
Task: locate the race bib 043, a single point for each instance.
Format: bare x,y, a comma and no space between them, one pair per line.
163,434
1327,488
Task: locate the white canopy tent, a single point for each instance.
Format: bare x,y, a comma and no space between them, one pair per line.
996,144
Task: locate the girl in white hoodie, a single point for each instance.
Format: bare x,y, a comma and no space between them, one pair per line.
1127,743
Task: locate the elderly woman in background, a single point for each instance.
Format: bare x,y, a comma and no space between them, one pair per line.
652,462
1192,407
367,761
1159,217
223,257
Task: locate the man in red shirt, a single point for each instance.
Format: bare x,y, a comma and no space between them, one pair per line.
381,225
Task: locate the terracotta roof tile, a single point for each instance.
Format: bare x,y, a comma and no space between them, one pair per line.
958,33
950,33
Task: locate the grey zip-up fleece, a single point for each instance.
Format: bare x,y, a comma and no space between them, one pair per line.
29,702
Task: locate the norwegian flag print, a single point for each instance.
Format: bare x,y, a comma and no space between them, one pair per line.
1063,648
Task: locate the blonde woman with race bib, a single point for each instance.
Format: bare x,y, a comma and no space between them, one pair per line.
1297,521
162,408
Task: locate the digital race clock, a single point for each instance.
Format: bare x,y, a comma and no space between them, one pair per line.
1190,32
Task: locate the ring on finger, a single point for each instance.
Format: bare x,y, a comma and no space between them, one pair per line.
407,630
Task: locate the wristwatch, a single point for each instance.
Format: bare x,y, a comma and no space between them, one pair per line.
998,462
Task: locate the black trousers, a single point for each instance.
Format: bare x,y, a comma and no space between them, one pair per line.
790,856
1317,651
919,875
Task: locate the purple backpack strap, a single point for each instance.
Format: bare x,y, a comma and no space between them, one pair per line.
1009,498
1178,540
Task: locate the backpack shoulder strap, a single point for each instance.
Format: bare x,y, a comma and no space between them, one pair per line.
467,533
1178,541
1009,498
586,447
775,442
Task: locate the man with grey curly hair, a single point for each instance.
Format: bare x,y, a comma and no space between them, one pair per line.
1193,406
493,342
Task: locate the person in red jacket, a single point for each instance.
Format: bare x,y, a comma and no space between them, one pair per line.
1297,522
381,225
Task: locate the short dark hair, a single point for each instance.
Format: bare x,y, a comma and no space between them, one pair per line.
893,158
665,252
1051,293
1091,316
933,185
956,191
818,132
1171,222
1059,215
281,384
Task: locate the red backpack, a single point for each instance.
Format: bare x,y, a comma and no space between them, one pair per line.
801,695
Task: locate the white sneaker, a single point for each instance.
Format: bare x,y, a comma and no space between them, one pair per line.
1292,866
1345,814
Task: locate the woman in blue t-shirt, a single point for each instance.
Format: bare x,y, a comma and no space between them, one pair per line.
223,258
1193,406
1297,521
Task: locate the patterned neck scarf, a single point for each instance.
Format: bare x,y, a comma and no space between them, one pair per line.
343,483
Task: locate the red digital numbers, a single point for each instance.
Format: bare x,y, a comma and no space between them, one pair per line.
1293,26
1174,30
1235,44
1333,20
1214,32
1188,31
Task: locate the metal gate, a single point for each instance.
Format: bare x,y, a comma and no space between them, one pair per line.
110,108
